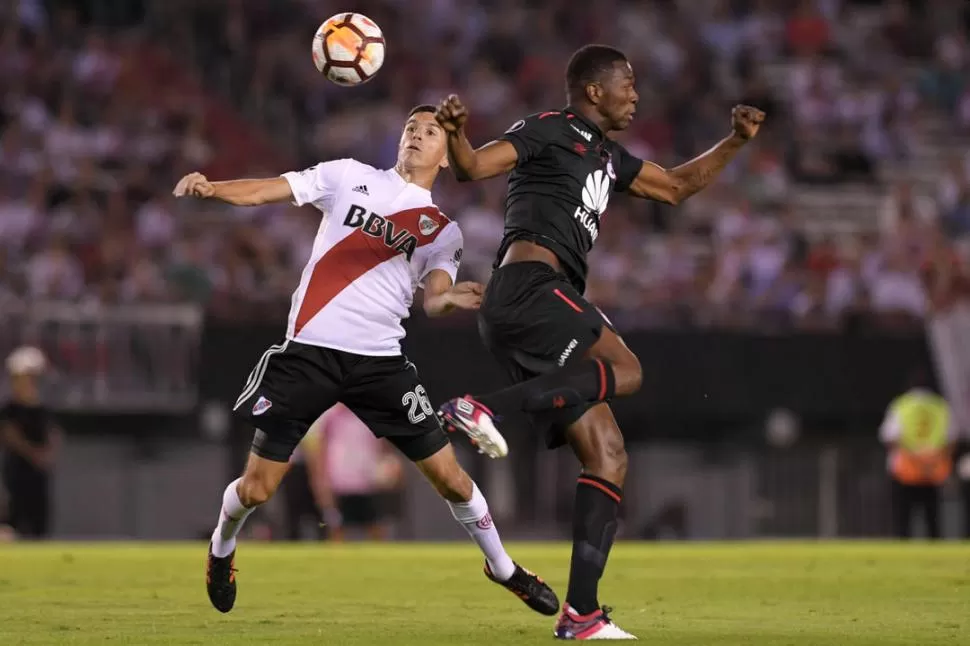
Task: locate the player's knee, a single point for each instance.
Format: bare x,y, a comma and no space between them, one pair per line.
628,375
256,488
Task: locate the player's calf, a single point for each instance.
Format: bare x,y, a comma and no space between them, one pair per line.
598,443
600,447
608,370
240,499
470,509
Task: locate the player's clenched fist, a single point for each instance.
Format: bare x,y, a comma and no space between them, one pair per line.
194,184
467,295
746,120
451,113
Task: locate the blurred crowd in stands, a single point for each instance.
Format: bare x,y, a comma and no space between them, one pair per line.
92,141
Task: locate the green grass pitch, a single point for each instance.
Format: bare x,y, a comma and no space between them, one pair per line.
782,594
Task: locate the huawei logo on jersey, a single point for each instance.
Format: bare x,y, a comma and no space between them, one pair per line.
398,239
596,192
596,195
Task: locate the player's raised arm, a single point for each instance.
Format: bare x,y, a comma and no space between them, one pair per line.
494,158
675,185
239,192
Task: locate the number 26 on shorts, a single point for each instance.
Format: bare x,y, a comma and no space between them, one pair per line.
419,406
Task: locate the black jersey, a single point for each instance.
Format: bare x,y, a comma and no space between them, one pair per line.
34,422
561,185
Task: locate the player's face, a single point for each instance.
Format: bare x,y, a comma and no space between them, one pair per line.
24,386
422,143
619,100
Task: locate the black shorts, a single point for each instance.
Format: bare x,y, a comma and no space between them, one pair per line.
294,383
534,321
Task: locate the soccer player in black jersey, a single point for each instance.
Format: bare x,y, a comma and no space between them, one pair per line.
565,358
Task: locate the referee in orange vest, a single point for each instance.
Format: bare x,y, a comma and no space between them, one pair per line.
919,435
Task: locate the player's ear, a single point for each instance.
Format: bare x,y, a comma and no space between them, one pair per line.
594,92
444,161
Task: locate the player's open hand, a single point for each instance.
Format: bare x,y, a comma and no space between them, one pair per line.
467,295
746,120
451,113
194,184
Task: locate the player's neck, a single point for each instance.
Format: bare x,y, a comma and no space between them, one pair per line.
589,113
423,177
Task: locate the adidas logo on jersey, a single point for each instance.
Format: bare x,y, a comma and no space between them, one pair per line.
398,239
361,189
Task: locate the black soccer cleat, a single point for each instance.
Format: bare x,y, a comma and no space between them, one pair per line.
220,580
530,588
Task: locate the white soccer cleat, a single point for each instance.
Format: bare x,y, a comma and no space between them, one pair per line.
476,421
595,625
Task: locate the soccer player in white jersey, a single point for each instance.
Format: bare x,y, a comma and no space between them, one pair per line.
380,238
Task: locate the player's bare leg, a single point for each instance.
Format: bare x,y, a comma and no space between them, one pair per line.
598,443
469,508
258,483
609,369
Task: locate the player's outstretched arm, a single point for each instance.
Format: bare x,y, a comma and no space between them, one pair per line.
239,192
675,185
494,158
442,297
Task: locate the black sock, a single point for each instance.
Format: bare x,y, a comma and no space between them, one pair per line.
583,382
594,528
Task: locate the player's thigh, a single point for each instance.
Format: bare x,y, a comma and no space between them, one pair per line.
290,387
387,395
536,318
597,441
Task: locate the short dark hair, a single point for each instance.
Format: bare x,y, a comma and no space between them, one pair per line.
587,65
424,107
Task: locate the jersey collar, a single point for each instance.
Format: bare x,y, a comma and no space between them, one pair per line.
397,177
586,122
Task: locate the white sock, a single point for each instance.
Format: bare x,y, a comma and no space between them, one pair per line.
474,517
231,518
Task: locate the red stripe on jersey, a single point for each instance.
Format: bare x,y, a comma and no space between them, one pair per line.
356,255
547,114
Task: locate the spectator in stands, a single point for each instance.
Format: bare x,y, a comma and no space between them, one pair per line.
953,198
897,292
92,124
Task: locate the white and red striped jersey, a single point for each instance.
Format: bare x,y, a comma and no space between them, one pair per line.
379,238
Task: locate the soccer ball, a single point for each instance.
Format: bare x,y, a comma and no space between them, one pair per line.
348,49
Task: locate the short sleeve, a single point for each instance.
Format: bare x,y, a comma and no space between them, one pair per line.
445,252
317,184
626,167
530,135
